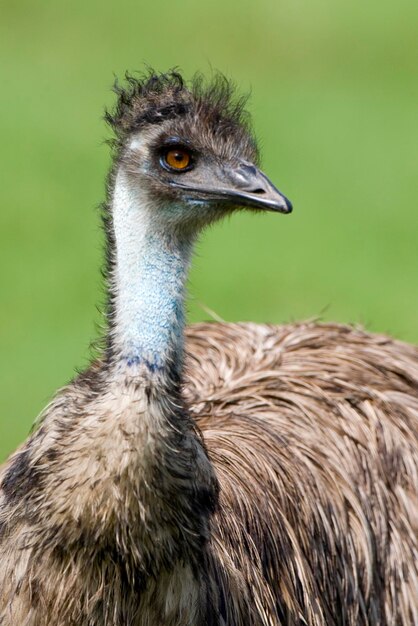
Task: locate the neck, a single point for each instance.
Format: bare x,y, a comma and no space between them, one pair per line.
148,282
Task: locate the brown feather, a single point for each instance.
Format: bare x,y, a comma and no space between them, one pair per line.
313,433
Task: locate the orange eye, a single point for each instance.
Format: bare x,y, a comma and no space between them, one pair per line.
177,158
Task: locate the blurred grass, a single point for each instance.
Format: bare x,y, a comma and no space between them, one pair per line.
334,102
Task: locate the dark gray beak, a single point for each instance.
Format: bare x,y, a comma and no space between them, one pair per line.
250,187
240,184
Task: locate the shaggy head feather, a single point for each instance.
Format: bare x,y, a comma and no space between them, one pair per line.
198,109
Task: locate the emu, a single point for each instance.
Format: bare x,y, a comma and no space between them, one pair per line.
223,474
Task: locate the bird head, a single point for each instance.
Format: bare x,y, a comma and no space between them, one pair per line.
190,149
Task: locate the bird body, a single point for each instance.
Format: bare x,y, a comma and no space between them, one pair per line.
224,474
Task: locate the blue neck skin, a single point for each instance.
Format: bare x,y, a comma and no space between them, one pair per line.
149,281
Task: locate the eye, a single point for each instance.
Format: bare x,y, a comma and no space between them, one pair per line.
177,159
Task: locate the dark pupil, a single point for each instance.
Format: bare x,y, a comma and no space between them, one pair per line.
179,156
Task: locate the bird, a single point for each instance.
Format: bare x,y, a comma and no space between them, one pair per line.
218,474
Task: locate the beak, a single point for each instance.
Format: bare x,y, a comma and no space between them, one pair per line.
249,186
242,184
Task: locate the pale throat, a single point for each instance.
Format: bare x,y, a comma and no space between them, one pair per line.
149,281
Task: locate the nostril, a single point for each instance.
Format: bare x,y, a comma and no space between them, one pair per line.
248,169
259,190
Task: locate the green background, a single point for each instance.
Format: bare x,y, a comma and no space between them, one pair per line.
334,100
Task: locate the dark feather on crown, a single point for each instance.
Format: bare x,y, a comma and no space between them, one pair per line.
153,98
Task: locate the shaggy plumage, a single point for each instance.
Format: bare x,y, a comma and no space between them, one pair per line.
208,111
313,433
271,480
